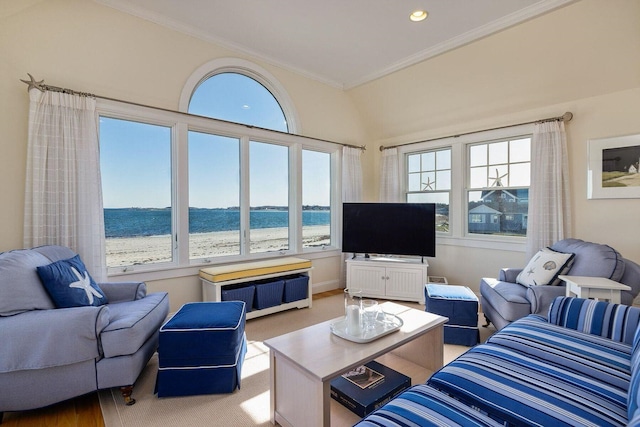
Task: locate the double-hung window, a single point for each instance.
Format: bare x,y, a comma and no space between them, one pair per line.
498,189
429,181
478,181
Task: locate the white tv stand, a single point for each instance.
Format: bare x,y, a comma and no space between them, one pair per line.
388,278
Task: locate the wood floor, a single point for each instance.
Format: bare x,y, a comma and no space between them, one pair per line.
83,411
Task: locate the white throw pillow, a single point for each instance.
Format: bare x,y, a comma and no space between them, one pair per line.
545,267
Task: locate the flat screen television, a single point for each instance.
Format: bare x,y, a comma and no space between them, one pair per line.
389,228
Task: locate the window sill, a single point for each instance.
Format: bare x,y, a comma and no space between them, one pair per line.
515,244
160,272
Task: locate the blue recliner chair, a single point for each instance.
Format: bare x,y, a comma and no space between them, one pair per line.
51,354
504,300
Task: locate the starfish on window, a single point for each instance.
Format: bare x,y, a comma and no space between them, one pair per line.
428,185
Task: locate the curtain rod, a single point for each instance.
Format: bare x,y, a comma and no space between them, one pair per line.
563,118
41,86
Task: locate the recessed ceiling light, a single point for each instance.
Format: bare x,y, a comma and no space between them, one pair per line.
418,15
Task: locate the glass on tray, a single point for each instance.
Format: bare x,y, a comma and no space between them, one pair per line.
370,310
353,310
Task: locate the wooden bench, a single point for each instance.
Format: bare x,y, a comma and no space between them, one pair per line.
214,279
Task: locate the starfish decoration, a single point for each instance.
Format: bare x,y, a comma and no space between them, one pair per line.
497,181
428,185
84,283
33,83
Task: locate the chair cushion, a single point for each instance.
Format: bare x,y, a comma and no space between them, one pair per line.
425,406
631,277
44,339
508,299
633,396
69,284
592,259
585,353
613,321
20,287
132,323
251,269
521,390
545,267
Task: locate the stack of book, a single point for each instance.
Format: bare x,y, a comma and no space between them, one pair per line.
368,387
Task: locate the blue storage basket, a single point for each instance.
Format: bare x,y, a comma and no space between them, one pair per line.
268,294
296,288
244,293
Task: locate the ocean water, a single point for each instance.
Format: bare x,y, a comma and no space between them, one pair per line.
133,222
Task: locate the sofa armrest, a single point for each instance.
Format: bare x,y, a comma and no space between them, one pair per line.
46,338
509,274
541,297
613,321
124,291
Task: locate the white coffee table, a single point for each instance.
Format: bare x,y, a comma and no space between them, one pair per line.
594,287
303,362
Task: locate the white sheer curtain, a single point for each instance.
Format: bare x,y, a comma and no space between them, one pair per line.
63,195
390,176
351,174
549,204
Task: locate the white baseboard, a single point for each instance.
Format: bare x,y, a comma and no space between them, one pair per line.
326,286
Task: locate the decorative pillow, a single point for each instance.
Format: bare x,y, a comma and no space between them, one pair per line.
545,267
69,284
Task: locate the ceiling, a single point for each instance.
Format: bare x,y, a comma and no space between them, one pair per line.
344,43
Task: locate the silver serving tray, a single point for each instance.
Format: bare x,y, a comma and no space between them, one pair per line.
386,323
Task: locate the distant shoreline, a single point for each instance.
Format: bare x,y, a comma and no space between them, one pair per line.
123,251
140,222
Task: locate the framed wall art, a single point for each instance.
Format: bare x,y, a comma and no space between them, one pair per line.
614,167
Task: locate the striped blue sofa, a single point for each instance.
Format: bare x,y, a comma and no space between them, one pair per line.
580,366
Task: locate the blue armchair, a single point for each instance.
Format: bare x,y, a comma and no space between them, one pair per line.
51,354
504,300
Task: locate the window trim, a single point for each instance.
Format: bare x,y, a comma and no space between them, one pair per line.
467,185
181,124
458,210
246,68
407,192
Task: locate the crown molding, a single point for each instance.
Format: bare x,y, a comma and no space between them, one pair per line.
496,26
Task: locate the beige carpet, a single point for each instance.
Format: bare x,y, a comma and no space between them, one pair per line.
246,407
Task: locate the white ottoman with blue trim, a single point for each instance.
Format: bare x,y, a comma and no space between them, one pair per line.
460,305
201,349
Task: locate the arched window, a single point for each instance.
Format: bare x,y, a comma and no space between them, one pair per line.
239,91
254,177
204,191
238,98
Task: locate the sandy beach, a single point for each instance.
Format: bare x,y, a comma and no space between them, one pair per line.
155,249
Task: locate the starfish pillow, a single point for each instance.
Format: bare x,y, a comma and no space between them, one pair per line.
69,284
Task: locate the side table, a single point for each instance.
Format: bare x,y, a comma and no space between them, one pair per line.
594,288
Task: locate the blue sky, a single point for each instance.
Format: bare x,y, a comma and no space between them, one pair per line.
136,157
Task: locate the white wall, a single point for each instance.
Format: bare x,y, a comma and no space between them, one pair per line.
583,58
89,47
